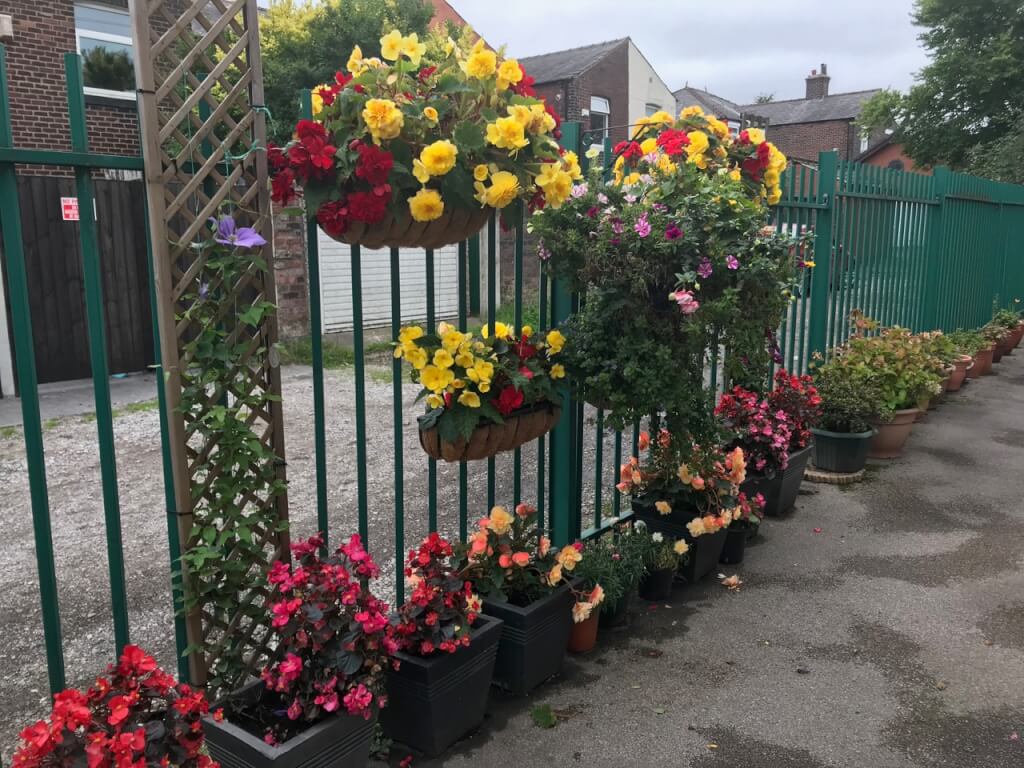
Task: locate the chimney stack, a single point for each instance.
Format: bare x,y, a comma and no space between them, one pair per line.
817,83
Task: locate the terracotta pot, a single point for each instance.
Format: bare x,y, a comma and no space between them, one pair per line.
982,364
949,370
1018,334
960,368
998,350
891,436
403,232
583,636
1005,347
491,439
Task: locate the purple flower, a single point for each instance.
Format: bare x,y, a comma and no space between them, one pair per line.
592,212
672,232
630,199
602,198
704,268
642,226
617,227
229,233
579,190
732,262
204,290
542,252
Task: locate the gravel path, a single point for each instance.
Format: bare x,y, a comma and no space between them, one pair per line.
79,541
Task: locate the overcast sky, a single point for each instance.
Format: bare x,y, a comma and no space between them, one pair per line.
734,48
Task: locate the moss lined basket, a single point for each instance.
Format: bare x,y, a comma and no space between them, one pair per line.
403,232
491,439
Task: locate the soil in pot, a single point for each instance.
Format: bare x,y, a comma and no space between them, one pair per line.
657,585
841,452
340,740
891,436
735,546
960,368
583,636
435,701
533,639
781,489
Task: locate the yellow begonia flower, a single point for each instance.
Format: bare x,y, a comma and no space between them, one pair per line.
500,521
413,49
484,370
480,172
554,576
690,112
735,174
556,183
663,507
464,360
771,178
419,170
435,401
470,399
568,557
449,47
355,64
571,163
443,359
526,331
410,333
430,113
507,133
501,331
774,196
426,205
436,379
484,387
555,341
317,100
503,190
540,120
383,118
391,45
720,129
417,358
557,371
521,113
756,135
681,547
509,73
439,158
649,145
451,339
809,264
481,64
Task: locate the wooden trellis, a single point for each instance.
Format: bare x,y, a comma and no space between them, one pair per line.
204,132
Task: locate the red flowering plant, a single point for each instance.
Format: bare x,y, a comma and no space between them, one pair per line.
749,511
798,398
136,716
442,606
333,642
680,476
508,558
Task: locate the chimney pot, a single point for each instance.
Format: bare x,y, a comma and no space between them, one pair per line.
817,84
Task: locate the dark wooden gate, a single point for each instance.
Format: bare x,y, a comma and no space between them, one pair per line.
54,264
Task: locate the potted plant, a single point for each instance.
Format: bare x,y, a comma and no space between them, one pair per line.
968,344
523,580
484,394
418,149
851,396
1009,321
585,621
136,715
615,561
999,337
944,350
746,522
437,694
317,702
662,557
775,434
986,356
685,491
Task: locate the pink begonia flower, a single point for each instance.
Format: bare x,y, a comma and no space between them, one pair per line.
686,301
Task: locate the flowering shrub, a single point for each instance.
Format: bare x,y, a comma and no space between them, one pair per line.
471,380
684,477
333,636
508,558
442,606
415,136
660,552
136,716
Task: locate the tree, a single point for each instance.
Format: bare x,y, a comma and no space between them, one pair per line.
304,43
764,98
970,95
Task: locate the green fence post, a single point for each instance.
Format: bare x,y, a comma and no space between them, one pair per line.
934,251
828,163
24,355
562,466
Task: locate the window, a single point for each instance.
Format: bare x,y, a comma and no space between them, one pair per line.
104,35
896,165
600,109
864,142
650,109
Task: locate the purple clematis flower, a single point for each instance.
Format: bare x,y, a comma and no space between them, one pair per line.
704,268
642,226
229,233
732,262
672,232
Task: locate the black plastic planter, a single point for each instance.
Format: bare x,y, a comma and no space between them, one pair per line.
533,640
434,702
704,550
616,614
657,585
340,741
841,452
781,489
735,546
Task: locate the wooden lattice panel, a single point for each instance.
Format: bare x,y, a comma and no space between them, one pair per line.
204,135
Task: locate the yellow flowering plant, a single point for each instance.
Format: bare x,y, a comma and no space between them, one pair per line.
471,380
398,142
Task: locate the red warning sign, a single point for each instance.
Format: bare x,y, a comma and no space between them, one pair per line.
69,208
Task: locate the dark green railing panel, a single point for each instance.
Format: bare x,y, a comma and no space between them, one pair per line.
431,278
359,350
464,249
492,307
398,429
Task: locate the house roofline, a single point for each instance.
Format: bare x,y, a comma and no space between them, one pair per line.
821,98
651,66
618,40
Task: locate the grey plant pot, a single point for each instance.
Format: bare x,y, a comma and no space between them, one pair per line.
841,452
781,489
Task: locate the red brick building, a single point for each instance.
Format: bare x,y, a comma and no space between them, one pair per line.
888,154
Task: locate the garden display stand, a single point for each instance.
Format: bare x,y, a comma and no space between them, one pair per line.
394,232
491,439
433,702
781,489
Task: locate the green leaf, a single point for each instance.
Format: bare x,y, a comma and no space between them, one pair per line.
469,135
451,84
543,717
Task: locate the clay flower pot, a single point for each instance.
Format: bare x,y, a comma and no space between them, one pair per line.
960,368
891,436
583,636
982,363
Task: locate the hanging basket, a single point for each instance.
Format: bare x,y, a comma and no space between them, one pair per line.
491,439
403,232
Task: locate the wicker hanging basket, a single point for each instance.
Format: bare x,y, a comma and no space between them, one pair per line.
491,439
403,232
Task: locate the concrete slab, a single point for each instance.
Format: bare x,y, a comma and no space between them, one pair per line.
75,398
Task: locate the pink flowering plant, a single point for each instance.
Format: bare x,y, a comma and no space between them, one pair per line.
334,640
442,606
135,716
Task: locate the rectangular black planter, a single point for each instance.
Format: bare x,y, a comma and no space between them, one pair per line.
780,490
704,550
339,741
533,640
434,702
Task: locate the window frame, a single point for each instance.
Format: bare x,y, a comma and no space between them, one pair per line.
606,111
107,37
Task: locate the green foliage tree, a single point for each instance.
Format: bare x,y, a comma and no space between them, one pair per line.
970,97
305,43
764,98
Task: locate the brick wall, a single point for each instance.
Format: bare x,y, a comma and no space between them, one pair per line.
289,243
804,141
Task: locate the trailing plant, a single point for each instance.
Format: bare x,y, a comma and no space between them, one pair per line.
439,614
236,476
507,557
333,640
851,396
471,380
136,715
